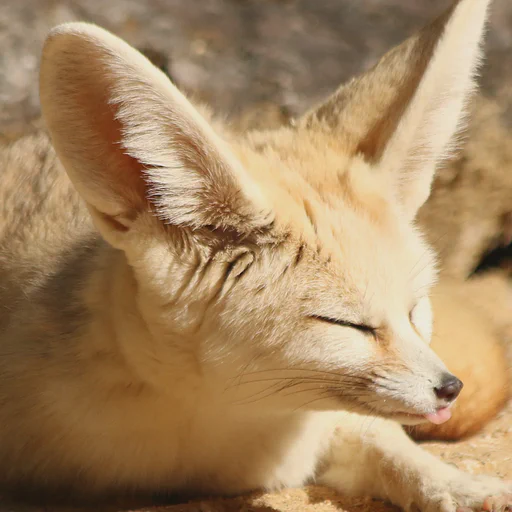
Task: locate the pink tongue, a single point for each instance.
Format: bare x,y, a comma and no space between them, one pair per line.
440,416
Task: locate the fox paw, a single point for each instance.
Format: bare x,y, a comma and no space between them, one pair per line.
493,504
470,494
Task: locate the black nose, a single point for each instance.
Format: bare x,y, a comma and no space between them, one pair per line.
449,389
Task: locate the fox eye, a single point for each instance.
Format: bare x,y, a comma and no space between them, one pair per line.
367,329
414,314
420,317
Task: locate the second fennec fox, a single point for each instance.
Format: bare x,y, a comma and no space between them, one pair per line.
195,311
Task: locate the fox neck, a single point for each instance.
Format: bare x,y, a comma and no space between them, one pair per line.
133,319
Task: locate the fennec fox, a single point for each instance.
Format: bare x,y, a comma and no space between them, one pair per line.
195,311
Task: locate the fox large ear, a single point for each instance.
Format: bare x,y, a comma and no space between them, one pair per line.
131,142
403,114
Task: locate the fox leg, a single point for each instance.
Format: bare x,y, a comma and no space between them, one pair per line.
376,457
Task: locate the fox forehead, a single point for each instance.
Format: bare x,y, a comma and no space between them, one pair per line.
340,212
300,169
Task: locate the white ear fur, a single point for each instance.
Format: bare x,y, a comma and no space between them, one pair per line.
403,114
130,141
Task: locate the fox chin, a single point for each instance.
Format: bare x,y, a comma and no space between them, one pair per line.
185,308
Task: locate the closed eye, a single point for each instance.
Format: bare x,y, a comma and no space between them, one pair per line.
367,329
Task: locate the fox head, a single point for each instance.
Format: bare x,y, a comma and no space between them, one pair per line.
284,265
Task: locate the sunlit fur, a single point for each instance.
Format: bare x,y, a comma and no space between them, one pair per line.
240,305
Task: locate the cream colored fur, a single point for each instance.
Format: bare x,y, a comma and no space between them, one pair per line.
255,313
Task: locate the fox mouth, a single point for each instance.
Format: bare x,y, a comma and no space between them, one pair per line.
438,417
407,416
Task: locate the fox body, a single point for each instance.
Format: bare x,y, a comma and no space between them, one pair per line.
185,309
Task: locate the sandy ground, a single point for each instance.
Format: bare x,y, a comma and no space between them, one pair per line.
265,58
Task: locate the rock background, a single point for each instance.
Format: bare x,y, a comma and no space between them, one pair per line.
237,55
260,61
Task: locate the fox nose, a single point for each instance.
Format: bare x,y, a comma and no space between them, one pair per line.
449,389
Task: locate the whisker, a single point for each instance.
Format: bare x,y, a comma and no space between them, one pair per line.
324,396
298,369
277,379
269,393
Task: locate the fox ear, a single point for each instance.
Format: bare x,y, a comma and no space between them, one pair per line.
131,142
403,114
